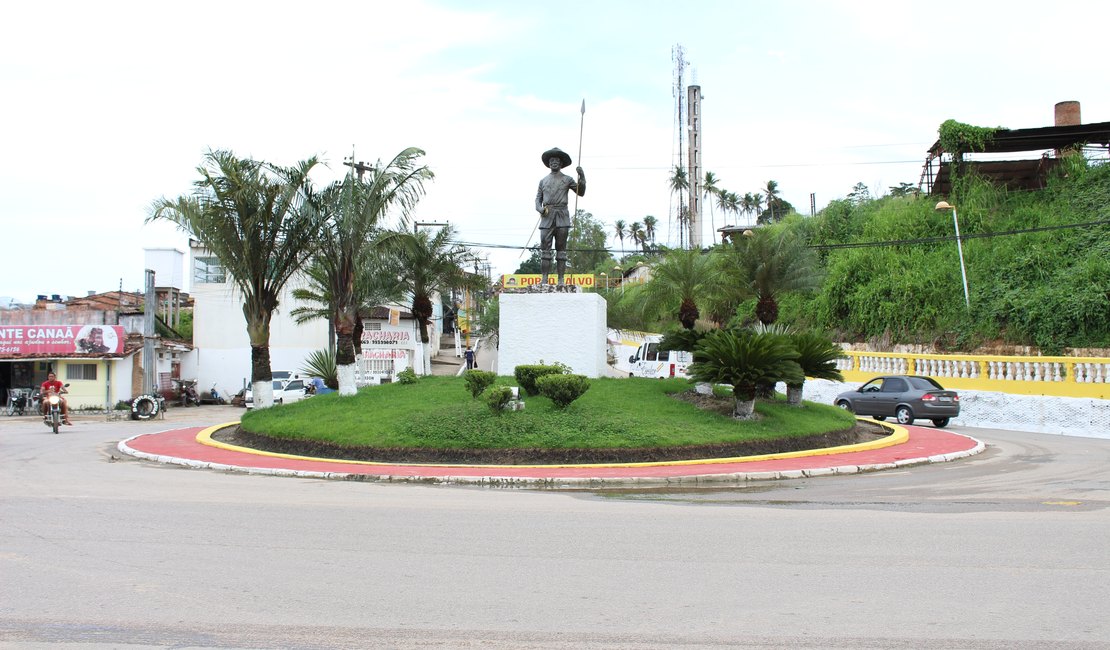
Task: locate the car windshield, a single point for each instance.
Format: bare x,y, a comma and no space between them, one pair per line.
924,383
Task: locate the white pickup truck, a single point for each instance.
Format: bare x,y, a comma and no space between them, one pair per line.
650,362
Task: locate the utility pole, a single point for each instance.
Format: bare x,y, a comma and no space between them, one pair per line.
149,309
416,225
360,167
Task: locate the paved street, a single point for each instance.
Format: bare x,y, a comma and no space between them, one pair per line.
1006,549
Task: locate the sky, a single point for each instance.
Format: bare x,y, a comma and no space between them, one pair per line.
109,106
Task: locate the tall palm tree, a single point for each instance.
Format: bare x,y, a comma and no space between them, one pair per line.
765,264
747,205
430,264
354,208
679,183
772,191
649,228
678,283
757,206
709,190
619,228
258,220
636,232
732,204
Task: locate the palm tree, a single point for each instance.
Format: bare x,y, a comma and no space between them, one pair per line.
747,205
678,283
354,208
772,191
817,356
765,264
745,361
649,228
709,190
618,227
636,232
257,219
757,206
679,183
732,203
430,264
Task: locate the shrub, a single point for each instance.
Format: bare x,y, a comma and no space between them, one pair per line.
407,376
477,381
497,397
321,363
562,389
527,376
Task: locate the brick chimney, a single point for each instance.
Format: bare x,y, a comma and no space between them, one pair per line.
1067,114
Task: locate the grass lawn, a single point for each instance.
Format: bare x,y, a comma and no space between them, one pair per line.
438,412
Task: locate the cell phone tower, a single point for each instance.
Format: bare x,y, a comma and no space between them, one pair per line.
679,180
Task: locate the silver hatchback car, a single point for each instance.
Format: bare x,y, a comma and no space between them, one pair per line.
904,397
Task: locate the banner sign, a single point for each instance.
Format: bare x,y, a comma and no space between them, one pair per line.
517,280
62,339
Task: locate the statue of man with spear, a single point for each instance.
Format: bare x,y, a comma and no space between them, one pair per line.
551,203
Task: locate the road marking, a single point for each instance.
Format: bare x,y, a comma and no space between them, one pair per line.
1061,503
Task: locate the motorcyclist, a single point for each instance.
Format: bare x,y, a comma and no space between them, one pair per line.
52,384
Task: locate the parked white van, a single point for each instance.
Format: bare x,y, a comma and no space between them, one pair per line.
650,362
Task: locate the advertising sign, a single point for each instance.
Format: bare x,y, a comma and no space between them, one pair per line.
383,354
517,280
387,338
61,340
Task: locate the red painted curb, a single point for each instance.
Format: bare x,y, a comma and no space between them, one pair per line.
924,443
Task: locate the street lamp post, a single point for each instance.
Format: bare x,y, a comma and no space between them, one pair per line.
942,207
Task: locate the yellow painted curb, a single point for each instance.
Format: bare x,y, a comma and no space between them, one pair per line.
899,435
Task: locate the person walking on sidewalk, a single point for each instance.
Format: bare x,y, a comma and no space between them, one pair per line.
471,359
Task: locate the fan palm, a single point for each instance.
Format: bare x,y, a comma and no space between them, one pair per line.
258,221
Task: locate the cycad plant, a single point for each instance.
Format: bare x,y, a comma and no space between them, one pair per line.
817,355
744,361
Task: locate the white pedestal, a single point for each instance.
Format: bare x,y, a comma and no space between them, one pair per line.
566,327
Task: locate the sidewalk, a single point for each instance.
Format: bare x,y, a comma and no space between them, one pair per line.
193,447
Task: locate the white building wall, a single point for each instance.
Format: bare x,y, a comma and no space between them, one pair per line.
223,352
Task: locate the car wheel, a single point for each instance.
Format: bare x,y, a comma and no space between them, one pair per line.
940,422
277,402
878,418
904,415
845,405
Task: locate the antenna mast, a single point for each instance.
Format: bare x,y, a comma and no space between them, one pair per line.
678,91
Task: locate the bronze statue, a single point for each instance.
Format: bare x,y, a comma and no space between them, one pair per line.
551,203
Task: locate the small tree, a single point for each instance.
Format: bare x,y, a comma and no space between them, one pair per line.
527,375
817,356
562,389
745,361
478,381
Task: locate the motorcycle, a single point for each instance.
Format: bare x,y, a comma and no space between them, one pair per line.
189,394
17,401
53,401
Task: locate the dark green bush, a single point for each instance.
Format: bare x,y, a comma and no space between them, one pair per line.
406,376
562,389
527,376
497,397
477,381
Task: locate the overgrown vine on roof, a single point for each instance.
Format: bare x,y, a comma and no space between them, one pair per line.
957,137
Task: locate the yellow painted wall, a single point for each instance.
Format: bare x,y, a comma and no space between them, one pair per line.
85,392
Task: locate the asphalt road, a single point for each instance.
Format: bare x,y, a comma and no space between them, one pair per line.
1007,549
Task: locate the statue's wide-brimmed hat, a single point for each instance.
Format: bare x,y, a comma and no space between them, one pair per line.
555,152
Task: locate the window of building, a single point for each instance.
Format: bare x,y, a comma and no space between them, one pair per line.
373,326
81,371
208,270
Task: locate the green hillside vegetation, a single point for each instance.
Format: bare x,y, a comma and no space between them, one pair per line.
1038,266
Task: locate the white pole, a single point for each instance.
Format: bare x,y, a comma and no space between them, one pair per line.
960,248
